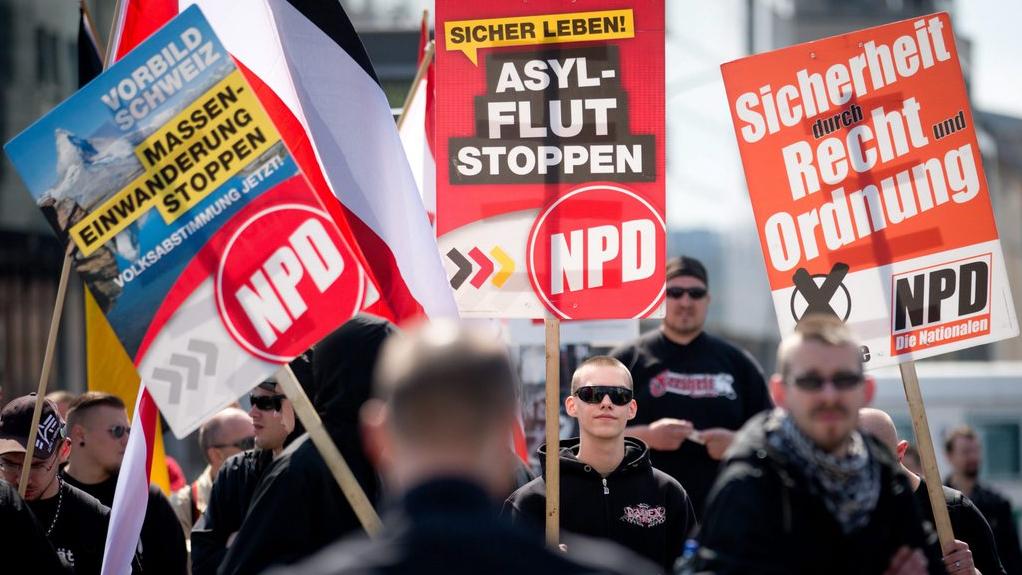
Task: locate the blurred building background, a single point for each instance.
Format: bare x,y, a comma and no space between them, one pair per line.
708,210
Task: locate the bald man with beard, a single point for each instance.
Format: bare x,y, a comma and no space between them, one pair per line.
973,550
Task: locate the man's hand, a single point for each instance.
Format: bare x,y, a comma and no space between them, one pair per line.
958,558
667,434
907,562
717,440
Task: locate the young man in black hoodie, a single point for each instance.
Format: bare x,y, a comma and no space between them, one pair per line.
609,489
236,481
297,507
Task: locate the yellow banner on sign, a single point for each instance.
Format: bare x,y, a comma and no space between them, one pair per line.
468,36
188,158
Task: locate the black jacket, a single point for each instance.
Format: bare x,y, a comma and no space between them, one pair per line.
22,534
297,507
968,525
163,542
234,486
637,506
450,527
998,512
228,501
762,518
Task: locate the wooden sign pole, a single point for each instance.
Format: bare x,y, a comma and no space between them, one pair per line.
927,457
553,428
44,376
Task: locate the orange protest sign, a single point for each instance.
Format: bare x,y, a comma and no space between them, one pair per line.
868,190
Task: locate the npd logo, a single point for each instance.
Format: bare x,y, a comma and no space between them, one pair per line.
597,252
941,304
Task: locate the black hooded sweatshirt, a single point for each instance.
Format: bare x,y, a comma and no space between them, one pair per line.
234,486
636,505
297,507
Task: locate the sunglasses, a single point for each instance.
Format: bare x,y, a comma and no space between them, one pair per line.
243,444
675,292
841,381
267,402
119,431
595,393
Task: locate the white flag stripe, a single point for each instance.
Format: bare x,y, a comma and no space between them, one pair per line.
130,502
341,107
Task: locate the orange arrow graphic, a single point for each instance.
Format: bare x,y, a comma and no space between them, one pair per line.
507,266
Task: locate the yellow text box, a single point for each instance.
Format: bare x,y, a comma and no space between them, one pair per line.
207,143
188,158
468,36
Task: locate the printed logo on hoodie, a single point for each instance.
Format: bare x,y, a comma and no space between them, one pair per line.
697,385
645,516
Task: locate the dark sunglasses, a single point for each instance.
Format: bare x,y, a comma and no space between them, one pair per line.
267,402
595,393
119,431
675,292
243,444
841,381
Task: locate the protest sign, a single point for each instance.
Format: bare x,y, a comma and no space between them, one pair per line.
865,177
196,232
551,117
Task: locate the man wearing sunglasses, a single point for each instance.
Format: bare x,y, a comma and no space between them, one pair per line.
272,415
691,385
609,489
74,522
274,428
802,490
98,428
227,433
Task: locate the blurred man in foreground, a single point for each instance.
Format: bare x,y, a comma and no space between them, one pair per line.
801,490
439,434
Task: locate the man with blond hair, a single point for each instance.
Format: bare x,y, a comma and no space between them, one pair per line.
609,487
801,490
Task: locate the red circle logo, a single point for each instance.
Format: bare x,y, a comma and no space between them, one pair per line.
598,253
286,279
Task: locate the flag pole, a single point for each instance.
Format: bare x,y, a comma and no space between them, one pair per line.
553,428
427,58
95,31
110,54
44,376
927,457
353,492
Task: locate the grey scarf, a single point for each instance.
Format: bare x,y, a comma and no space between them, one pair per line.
849,484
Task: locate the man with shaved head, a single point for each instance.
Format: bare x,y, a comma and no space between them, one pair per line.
227,433
973,550
609,487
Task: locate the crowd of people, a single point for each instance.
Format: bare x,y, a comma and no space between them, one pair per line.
688,460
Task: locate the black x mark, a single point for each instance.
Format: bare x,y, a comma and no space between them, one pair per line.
818,297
